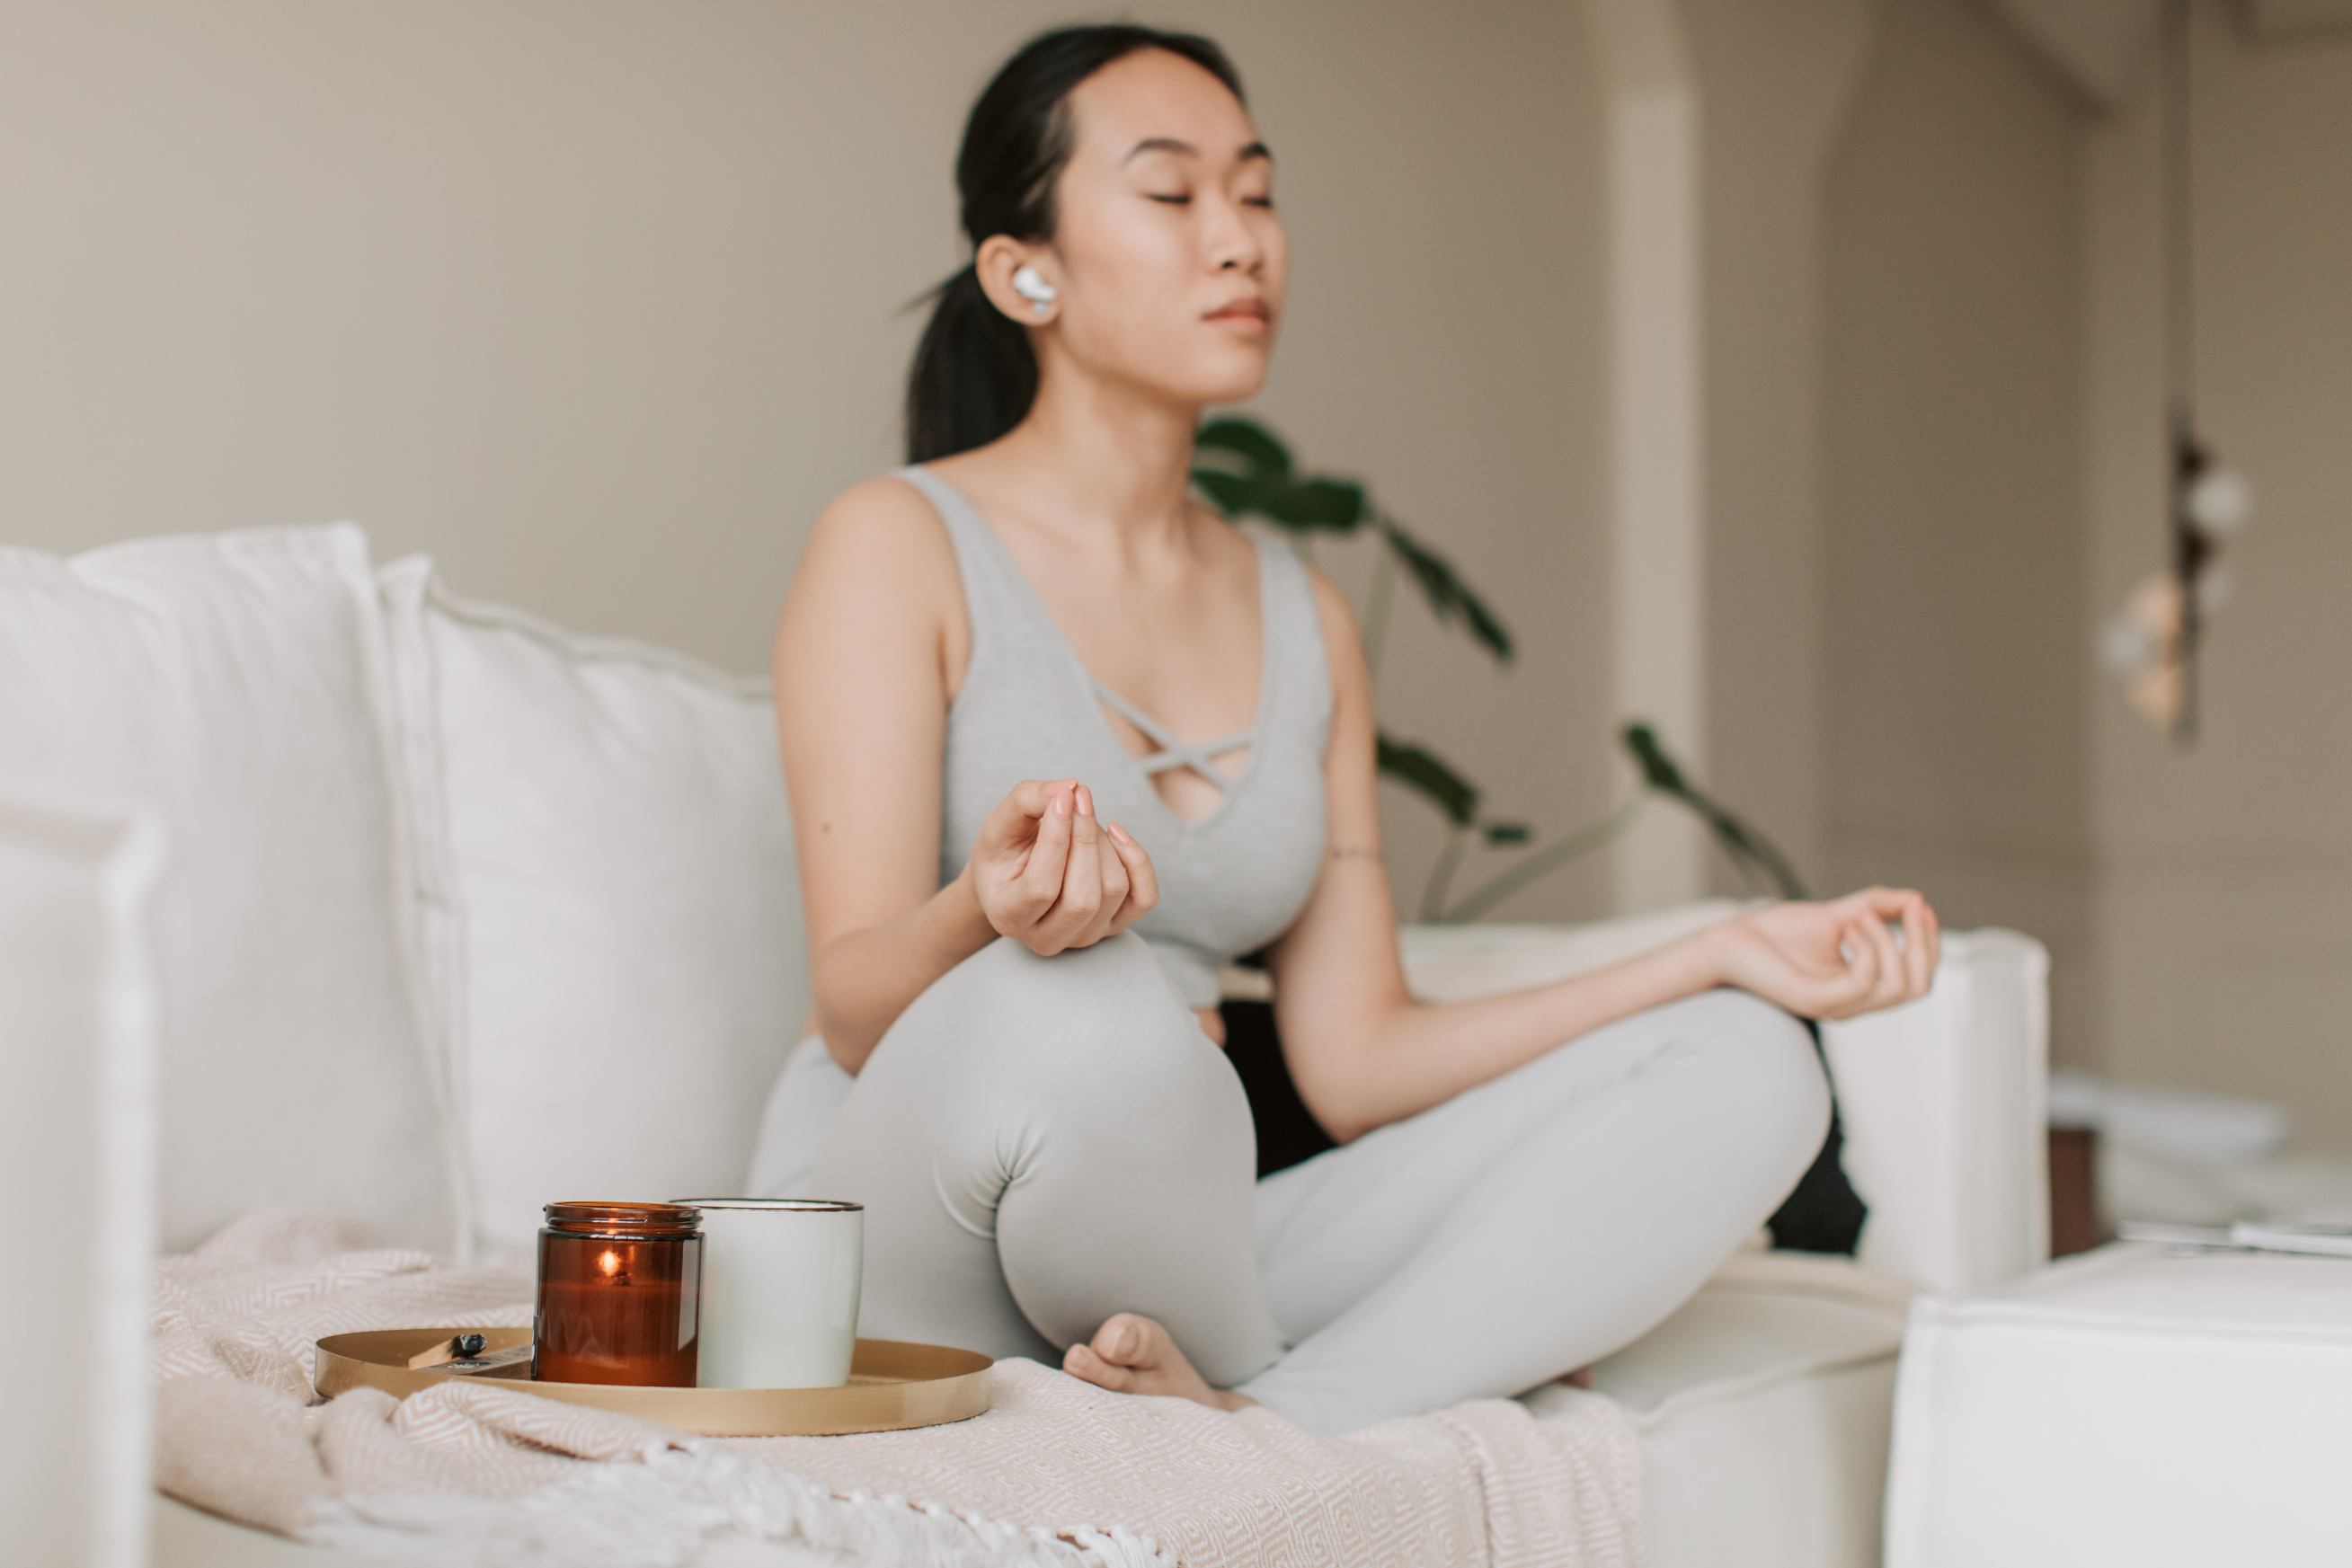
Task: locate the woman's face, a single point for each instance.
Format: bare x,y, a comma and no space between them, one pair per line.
1168,257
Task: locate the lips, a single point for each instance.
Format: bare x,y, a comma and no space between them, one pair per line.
1243,310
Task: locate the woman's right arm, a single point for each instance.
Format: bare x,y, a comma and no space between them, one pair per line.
868,654
863,674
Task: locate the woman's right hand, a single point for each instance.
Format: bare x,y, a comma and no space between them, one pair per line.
1051,877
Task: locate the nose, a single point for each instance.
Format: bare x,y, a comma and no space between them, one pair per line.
1231,244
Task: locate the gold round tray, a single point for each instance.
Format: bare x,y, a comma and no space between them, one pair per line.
893,1385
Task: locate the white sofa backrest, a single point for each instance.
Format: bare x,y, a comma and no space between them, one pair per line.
606,909
232,685
77,1153
1941,1100
1455,963
581,849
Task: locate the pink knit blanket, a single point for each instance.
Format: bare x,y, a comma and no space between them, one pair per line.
1056,1472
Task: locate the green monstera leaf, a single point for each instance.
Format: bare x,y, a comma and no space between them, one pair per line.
1248,472
1748,849
1333,506
1257,452
1234,495
1450,598
1423,772
1244,470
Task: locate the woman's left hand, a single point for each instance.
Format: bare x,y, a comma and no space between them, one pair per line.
1831,960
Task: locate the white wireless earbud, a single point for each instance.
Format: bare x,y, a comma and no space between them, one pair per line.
1034,288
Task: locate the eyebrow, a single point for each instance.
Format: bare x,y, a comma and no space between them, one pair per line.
1183,149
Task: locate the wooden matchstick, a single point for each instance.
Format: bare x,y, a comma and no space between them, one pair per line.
464,1347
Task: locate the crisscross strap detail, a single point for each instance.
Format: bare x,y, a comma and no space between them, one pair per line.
1172,752
1230,879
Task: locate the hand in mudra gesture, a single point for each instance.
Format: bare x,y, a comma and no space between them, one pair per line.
1836,960
1051,876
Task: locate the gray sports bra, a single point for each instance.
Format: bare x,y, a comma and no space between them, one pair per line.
1231,882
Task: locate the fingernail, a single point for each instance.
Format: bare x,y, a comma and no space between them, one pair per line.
1121,834
1061,805
1124,1342
1086,801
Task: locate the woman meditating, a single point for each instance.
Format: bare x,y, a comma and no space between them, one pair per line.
1061,743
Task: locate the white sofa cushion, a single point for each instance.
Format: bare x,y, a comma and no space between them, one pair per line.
1763,1404
231,685
606,905
77,1148
2128,1407
1942,1098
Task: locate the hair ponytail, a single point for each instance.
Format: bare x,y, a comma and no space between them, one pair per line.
974,374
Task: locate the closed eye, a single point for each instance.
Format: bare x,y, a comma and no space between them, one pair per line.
1174,201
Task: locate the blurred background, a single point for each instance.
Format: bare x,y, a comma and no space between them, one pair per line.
1791,372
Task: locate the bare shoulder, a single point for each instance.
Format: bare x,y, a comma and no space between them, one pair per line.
880,528
877,581
1343,645
1331,605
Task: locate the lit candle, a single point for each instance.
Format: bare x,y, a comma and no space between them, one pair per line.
619,1293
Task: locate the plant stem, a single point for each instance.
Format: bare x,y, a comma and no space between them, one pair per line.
1376,614
1749,852
1441,875
1543,861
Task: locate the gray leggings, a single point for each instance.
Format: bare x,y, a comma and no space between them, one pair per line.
1041,1143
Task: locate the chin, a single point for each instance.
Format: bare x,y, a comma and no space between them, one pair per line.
1187,373
1224,379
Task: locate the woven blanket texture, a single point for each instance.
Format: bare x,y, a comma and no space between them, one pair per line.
1056,1472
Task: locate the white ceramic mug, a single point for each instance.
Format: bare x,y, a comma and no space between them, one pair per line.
780,1284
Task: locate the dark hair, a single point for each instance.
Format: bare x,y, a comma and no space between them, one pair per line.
974,374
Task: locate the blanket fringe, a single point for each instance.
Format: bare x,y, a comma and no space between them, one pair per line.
664,1513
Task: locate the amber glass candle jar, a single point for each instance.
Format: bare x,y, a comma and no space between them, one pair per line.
620,1288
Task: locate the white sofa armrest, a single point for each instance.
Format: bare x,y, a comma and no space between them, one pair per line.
1942,1098
78,1142
1944,1117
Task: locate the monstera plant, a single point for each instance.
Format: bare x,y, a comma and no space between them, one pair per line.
1244,470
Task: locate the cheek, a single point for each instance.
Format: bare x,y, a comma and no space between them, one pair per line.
1134,309
1131,310
1133,277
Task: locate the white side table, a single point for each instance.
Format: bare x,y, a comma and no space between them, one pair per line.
2131,1406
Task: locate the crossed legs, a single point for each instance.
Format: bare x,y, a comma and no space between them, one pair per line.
1538,1222
1045,1144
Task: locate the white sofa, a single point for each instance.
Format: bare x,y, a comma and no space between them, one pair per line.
457,906
77,1146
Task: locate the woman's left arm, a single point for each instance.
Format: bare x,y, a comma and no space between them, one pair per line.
1364,1054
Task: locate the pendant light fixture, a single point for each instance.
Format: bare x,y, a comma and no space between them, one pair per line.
2154,645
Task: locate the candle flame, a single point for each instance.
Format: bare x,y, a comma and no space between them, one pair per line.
610,1263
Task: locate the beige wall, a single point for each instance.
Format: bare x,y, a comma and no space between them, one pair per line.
1956,752
1779,84
2225,898
598,302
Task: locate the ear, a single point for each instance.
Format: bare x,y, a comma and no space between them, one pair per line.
998,259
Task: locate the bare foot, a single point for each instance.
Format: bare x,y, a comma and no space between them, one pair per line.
1132,1355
